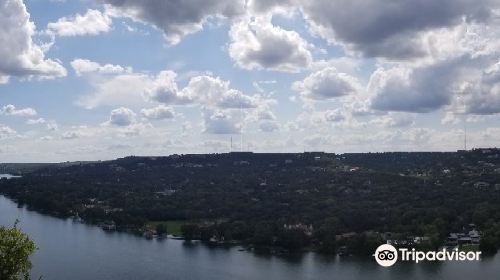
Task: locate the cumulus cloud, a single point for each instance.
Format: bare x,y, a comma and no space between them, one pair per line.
6,132
164,89
118,90
175,18
257,44
269,126
481,95
394,121
68,135
334,115
52,126
267,6
121,117
220,122
21,57
379,29
264,113
92,22
400,89
326,84
11,110
83,66
160,112
421,89
137,89
35,121
215,93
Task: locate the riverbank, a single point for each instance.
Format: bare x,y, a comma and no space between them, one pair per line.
70,250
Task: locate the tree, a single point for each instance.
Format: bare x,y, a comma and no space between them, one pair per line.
161,229
15,250
189,231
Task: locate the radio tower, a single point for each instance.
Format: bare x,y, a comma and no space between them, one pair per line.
465,132
464,120
241,127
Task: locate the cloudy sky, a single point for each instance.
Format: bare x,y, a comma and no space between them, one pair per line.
100,79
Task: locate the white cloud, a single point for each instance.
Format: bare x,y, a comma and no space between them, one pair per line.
264,113
334,115
269,126
257,44
176,19
220,122
119,90
21,57
52,126
11,110
378,29
327,84
135,89
164,89
6,132
35,121
160,112
83,66
68,135
92,22
121,117
394,120
215,93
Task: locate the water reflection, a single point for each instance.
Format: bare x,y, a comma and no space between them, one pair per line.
70,250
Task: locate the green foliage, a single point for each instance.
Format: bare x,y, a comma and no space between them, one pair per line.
490,241
161,229
293,239
15,251
190,231
364,244
326,236
250,197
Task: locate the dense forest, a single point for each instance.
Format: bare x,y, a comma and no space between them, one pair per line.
316,201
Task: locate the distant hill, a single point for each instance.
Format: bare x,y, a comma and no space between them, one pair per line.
23,168
286,199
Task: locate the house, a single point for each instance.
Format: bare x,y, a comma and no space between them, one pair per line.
109,226
452,240
464,240
475,237
420,239
480,185
307,229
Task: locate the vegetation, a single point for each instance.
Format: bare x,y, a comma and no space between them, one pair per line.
15,251
295,201
170,227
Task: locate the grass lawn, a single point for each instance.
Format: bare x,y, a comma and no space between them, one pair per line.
173,227
469,248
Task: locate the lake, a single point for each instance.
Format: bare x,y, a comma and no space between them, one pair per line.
70,250
8,176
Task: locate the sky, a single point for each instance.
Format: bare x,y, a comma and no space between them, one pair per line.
102,79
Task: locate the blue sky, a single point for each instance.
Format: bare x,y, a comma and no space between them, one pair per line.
100,79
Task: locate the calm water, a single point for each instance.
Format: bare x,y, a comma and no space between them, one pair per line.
8,176
69,250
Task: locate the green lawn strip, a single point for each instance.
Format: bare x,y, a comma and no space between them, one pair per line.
469,248
173,227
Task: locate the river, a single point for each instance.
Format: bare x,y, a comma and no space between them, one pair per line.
70,250
8,176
